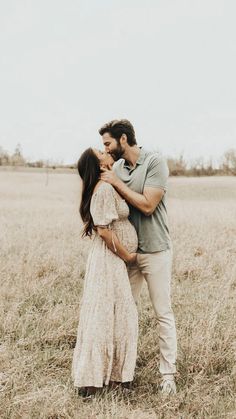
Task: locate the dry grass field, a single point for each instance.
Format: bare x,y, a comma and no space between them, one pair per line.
42,267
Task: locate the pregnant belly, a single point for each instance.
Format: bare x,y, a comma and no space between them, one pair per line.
126,233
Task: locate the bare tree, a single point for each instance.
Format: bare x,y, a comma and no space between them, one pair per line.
177,166
4,157
17,158
229,162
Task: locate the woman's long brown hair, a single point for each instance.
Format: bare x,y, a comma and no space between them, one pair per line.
89,170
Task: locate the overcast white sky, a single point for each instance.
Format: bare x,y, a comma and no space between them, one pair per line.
66,67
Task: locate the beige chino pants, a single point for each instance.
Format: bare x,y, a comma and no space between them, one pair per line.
156,268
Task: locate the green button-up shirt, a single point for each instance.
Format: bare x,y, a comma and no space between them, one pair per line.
151,170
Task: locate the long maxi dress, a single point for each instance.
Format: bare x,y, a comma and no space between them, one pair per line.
106,346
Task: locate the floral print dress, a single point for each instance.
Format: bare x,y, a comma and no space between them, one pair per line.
106,346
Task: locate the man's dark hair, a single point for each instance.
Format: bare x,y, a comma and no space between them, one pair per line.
117,127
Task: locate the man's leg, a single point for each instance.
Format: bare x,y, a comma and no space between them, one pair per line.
156,268
136,281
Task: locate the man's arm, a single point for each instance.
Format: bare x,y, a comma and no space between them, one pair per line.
146,202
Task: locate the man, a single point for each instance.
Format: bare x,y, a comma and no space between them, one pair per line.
140,177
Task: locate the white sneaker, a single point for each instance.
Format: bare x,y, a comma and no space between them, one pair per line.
168,386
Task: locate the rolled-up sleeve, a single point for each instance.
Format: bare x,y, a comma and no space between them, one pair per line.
157,173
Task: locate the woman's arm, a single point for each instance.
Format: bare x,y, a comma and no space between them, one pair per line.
113,243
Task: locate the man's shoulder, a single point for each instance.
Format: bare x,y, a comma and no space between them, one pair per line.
151,158
154,157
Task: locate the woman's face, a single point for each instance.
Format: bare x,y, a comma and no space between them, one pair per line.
105,159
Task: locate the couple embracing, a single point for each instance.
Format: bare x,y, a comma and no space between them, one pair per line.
123,207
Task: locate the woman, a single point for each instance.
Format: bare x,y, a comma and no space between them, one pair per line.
106,346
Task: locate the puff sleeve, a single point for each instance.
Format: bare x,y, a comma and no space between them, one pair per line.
103,206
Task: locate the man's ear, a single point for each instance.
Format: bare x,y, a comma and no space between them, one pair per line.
123,139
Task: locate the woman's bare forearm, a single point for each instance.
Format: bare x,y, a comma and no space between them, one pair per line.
113,243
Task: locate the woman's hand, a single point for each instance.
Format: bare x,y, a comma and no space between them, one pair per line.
132,258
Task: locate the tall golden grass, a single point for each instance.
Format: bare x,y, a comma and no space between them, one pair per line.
42,267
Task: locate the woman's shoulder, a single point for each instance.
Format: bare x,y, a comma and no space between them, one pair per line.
103,188
103,198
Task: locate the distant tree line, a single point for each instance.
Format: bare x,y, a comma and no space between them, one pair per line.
17,159
177,166
198,167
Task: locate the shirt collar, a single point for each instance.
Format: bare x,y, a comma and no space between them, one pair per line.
140,159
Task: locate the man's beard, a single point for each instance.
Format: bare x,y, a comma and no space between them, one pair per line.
117,154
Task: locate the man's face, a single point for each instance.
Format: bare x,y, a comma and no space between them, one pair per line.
104,158
112,146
